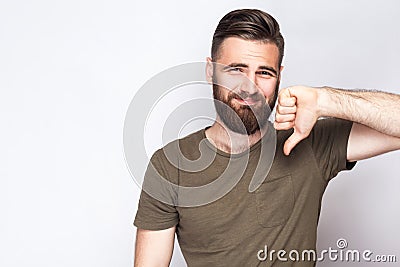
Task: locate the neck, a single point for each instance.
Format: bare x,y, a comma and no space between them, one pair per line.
231,142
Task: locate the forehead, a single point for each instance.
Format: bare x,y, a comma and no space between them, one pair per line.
234,49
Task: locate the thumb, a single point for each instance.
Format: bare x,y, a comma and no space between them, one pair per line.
291,142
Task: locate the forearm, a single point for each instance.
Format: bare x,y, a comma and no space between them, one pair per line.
378,110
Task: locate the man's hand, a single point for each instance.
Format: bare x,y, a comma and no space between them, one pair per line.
298,109
375,115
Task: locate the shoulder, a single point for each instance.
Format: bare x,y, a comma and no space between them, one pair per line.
187,146
330,122
325,130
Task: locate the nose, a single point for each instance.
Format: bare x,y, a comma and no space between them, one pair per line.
248,84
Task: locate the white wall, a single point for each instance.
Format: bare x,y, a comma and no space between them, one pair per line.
68,71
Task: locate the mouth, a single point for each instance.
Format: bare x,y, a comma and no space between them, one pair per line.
246,102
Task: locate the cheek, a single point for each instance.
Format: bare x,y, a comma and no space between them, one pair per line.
268,87
230,82
221,92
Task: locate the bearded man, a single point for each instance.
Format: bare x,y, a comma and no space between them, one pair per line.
319,132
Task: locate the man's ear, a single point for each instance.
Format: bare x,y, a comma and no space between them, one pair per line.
209,70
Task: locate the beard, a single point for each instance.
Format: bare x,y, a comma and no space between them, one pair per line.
243,119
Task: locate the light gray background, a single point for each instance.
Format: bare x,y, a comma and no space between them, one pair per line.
68,71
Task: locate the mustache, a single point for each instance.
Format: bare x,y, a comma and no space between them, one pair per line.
245,95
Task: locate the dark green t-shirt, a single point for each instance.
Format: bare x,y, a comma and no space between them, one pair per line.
282,214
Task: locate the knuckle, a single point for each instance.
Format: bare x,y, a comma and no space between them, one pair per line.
279,118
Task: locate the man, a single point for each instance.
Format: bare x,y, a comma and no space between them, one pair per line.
282,212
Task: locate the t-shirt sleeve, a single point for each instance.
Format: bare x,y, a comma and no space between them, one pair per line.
329,139
156,209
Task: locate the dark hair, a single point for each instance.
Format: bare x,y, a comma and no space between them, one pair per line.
248,24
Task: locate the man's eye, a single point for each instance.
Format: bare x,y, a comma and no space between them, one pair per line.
235,69
265,73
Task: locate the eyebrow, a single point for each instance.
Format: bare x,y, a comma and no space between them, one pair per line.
242,65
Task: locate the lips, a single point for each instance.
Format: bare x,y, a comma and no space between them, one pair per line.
247,101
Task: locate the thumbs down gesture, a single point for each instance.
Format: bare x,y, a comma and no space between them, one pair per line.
298,109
